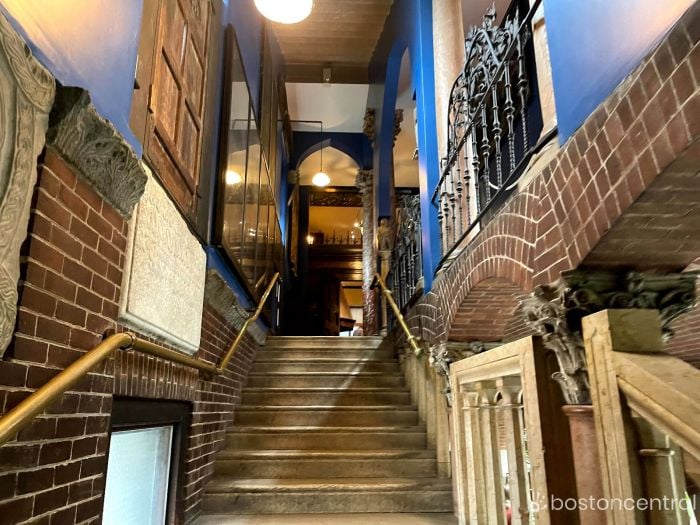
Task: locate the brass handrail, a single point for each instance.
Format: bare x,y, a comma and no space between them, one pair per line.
17,418
412,339
232,349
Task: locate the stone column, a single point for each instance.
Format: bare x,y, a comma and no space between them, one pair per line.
365,183
555,313
448,53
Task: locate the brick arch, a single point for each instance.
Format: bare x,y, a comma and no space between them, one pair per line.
503,250
486,312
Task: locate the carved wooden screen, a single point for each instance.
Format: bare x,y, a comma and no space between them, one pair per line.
176,101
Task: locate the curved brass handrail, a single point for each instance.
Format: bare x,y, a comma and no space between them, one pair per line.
412,339
17,418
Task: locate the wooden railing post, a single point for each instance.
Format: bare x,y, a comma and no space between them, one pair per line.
605,333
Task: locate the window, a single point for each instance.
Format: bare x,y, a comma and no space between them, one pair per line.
248,219
136,490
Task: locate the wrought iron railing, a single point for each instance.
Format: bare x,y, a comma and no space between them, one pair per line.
494,119
406,272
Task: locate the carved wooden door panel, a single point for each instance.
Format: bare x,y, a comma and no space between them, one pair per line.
176,102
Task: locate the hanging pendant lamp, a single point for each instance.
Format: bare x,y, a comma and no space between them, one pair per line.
321,179
285,11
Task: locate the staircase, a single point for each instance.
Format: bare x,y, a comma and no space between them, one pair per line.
326,425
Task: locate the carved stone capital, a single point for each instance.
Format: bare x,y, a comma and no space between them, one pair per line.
26,95
364,181
221,298
555,311
368,125
442,355
398,119
96,150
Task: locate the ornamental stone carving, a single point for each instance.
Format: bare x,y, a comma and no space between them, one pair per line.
442,355
555,311
164,275
96,150
368,125
221,298
398,119
26,95
365,183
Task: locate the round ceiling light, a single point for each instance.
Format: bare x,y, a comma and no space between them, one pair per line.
233,178
321,179
285,11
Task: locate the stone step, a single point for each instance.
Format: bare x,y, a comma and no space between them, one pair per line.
383,415
329,343
324,397
325,380
273,354
251,496
326,438
327,464
322,365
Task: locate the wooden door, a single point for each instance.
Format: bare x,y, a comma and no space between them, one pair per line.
176,101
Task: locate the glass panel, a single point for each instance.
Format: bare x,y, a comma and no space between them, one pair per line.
138,469
236,158
263,223
252,195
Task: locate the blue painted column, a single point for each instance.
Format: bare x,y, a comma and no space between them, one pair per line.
428,162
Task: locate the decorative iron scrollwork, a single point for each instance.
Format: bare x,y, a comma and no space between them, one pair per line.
488,114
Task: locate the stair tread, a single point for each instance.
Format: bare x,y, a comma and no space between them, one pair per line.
224,483
323,389
314,374
278,454
326,408
251,429
324,360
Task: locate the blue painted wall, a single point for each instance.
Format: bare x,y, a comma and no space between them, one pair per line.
355,145
87,43
594,44
408,26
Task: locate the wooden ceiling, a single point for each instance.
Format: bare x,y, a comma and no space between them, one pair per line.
341,34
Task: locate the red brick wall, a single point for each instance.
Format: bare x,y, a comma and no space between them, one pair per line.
643,137
54,471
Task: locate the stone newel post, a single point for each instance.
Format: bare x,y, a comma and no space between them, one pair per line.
365,183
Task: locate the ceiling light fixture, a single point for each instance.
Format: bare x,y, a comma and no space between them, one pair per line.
285,11
233,178
321,179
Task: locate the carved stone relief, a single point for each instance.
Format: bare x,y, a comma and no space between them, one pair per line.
26,95
221,298
555,311
164,274
365,183
442,355
96,150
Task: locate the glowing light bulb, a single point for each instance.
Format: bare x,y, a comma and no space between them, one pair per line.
233,178
285,11
309,239
321,179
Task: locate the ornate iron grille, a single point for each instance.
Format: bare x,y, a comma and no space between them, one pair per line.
406,270
494,118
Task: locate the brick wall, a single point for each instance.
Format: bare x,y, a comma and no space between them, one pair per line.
54,471
637,152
